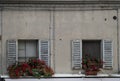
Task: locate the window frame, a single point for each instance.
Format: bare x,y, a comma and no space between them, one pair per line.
101,54
26,56
16,50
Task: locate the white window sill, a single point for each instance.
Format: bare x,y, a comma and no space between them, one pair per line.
77,75
82,75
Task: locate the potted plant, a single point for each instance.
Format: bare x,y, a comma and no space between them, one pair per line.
91,65
34,67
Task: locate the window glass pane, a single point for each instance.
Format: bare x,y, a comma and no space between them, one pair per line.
27,49
31,49
92,48
21,53
21,49
21,59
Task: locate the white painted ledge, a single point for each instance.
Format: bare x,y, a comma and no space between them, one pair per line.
73,78
82,75
77,75
70,77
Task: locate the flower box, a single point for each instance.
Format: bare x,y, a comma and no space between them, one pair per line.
34,67
91,65
91,72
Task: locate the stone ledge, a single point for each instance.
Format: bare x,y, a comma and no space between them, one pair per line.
76,76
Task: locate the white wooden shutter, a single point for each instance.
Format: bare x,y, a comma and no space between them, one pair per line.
107,54
76,54
12,54
44,51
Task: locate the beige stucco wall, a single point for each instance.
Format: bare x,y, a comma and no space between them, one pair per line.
23,25
70,25
26,24
119,34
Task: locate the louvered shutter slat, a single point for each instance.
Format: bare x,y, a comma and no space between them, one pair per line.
76,54
107,54
44,51
11,51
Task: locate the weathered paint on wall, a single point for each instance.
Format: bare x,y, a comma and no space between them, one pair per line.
68,25
88,25
24,25
119,35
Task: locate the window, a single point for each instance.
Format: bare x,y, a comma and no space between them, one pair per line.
27,49
101,49
92,48
22,50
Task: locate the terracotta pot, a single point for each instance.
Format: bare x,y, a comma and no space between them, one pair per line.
13,76
92,63
91,73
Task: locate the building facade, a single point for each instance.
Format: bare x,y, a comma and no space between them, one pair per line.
60,33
